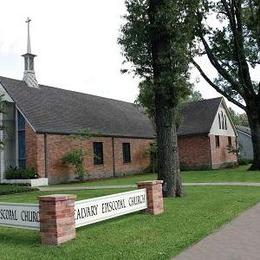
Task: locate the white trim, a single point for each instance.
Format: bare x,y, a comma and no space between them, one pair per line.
7,97
25,118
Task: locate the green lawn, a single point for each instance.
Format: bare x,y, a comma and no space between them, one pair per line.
135,236
239,174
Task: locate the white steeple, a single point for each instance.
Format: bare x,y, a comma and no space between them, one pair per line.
29,74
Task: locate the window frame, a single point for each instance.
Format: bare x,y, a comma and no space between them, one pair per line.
126,151
98,158
229,141
217,141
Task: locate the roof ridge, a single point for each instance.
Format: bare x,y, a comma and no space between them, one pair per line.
73,91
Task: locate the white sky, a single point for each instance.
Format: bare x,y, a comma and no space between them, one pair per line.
76,44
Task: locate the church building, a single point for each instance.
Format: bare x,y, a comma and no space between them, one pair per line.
39,121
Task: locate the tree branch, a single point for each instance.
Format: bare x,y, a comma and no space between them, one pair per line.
215,86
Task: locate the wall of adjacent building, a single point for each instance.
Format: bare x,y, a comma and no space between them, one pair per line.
221,156
194,152
245,146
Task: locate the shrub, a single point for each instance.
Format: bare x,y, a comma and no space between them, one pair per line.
76,158
242,161
20,173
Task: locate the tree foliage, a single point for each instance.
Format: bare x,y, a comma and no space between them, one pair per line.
156,40
238,119
232,45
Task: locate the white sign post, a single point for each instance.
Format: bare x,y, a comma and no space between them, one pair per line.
20,215
94,210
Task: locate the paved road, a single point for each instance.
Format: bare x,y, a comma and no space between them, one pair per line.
73,187
238,240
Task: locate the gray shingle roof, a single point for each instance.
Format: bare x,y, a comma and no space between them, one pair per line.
198,117
55,110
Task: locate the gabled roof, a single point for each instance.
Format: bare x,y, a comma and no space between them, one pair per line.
55,110
198,117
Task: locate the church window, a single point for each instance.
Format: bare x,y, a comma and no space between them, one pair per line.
217,141
98,153
219,121
126,153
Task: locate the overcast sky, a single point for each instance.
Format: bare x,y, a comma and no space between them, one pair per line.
75,43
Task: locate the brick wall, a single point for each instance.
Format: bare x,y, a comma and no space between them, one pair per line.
34,151
220,156
139,158
59,145
194,152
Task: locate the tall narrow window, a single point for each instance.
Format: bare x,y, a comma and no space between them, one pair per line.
217,141
225,121
222,120
219,121
21,140
98,153
126,153
229,141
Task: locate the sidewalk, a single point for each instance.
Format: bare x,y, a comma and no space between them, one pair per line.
74,187
238,240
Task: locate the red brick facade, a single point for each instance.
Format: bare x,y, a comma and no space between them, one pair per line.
58,145
201,152
196,152
221,156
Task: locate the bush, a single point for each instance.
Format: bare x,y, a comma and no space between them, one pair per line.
20,173
10,189
242,161
76,158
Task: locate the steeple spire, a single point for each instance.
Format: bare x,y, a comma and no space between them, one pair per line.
28,35
29,74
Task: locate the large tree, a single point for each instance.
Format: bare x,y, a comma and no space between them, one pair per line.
156,40
229,34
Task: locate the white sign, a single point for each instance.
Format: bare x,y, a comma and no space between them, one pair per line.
94,210
19,215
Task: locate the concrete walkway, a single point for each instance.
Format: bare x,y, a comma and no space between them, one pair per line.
238,240
73,188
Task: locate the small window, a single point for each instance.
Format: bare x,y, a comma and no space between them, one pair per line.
229,141
126,153
217,141
98,153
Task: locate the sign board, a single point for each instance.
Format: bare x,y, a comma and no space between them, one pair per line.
94,210
20,215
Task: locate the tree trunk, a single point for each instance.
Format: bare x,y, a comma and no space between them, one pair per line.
165,119
254,123
168,157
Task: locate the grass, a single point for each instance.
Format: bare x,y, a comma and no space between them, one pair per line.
9,189
135,236
239,174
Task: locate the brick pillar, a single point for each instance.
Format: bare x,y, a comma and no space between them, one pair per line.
154,196
57,221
